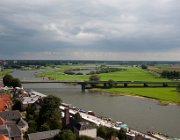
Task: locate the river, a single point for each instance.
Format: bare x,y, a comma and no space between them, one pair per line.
139,113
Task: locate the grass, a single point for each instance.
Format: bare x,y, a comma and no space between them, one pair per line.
130,74
164,95
4,72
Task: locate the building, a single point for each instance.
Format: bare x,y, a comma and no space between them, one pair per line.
28,99
85,129
45,135
12,125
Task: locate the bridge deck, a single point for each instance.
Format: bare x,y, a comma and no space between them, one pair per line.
99,82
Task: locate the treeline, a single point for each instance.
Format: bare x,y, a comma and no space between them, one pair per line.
98,71
171,74
63,62
105,70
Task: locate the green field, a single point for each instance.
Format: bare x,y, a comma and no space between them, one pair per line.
164,95
4,72
130,74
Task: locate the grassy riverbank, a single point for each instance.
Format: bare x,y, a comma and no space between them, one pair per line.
164,95
130,74
4,72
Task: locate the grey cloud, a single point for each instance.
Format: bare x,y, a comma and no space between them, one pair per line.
110,26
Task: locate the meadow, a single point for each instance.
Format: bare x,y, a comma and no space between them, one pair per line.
130,74
164,95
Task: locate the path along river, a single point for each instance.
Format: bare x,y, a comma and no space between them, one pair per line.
141,114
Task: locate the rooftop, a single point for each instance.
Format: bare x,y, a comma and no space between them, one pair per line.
10,115
83,126
5,101
14,131
3,137
43,135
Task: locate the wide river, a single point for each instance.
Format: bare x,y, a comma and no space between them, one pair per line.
138,113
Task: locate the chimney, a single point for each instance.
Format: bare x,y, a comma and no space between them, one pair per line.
67,116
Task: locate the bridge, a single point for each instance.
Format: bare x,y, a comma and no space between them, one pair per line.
108,84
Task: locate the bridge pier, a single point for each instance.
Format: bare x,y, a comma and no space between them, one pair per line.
165,85
125,84
83,87
105,85
145,85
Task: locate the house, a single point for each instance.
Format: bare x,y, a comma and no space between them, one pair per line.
85,129
81,128
28,99
45,135
12,124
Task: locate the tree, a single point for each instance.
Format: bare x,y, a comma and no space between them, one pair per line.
44,127
84,138
144,66
110,83
16,105
7,79
78,117
122,135
50,113
94,78
65,135
106,132
16,83
32,126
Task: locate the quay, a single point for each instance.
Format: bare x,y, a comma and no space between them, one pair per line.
101,122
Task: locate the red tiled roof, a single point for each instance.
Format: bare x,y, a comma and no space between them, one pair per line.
2,137
5,101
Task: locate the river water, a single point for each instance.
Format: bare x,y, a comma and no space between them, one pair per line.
139,113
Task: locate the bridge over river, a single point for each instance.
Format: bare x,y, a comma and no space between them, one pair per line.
108,84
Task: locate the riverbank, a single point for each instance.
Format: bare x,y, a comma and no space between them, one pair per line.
129,74
4,72
165,96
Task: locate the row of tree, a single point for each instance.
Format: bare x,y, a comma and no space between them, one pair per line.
171,74
98,71
10,81
105,70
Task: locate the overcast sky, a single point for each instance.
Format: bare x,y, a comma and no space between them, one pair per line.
90,29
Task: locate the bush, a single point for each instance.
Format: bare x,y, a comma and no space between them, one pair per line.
94,78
